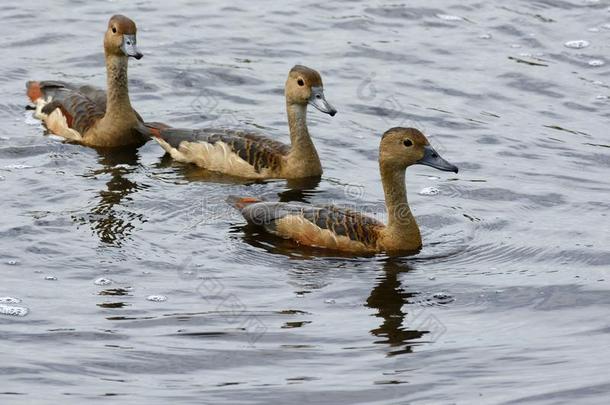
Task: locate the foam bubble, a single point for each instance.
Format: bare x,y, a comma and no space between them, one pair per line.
449,17
577,44
17,167
596,62
429,191
156,298
102,281
13,311
10,300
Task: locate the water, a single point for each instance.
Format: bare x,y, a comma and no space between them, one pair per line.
136,280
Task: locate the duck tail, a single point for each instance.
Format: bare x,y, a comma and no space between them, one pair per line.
34,90
241,202
155,128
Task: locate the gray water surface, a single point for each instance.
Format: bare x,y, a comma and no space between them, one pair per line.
140,283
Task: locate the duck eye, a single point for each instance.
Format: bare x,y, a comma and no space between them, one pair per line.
114,30
300,82
407,143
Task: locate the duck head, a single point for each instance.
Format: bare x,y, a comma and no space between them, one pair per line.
403,147
304,86
120,38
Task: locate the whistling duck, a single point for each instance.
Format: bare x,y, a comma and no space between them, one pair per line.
350,231
250,155
88,115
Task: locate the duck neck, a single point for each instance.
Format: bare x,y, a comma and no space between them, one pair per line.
117,99
402,227
302,149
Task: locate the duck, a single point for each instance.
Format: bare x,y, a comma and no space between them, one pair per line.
350,231
90,116
250,155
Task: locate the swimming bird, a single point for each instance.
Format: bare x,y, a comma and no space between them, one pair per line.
88,115
251,155
350,231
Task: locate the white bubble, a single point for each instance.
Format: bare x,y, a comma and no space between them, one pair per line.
156,298
329,301
10,300
12,262
50,278
448,17
429,191
596,62
13,311
577,44
102,281
601,97
17,167
485,36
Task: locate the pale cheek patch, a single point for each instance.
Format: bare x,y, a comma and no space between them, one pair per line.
307,233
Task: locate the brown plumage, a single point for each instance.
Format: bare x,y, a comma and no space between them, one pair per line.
350,231
251,155
88,115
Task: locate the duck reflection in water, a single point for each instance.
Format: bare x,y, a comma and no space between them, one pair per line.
111,225
400,330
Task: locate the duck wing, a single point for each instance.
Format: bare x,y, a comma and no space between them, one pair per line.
50,89
79,111
326,226
224,150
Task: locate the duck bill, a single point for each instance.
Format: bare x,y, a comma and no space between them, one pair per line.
129,46
433,159
318,100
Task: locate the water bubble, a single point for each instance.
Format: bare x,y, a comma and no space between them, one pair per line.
577,44
431,278
485,36
10,300
442,297
2,178
50,278
429,191
12,262
596,62
102,281
17,167
448,17
329,301
13,311
300,295
601,97
156,298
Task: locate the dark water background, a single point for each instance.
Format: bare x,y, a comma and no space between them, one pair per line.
141,284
